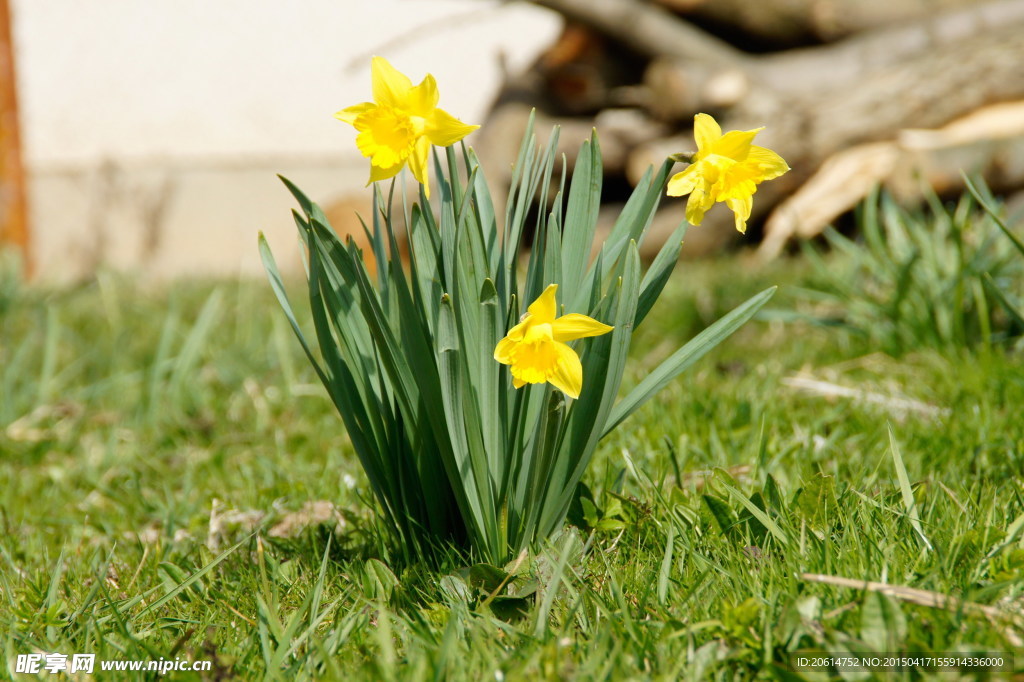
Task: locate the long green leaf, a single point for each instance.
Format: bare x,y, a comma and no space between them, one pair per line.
277,286
685,357
657,275
905,490
581,213
197,575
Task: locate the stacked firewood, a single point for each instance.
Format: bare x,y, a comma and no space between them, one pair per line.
904,93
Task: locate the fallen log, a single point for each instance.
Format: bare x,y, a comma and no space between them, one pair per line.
988,142
925,92
815,101
788,22
681,87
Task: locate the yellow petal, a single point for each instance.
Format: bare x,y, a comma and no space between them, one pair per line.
423,98
383,173
683,183
575,326
705,130
695,207
443,129
349,114
544,308
518,383
741,207
518,332
418,162
568,372
770,164
390,86
735,144
504,350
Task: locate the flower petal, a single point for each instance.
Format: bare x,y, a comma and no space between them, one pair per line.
770,164
418,163
684,182
504,351
568,372
383,173
518,383
518,332
575,326
349,114
741,207
423,98
695,207
544,308
735,144
390,86
705,131
443,129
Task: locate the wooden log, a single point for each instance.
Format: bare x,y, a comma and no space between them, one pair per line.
788,22
927,91
681,87
648,29
818,101
988,142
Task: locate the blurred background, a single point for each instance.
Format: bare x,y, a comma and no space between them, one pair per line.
150,133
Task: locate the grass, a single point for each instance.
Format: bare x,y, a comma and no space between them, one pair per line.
129,416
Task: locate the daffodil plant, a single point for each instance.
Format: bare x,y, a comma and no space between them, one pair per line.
475,391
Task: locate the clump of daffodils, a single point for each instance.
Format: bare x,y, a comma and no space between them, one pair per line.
474,418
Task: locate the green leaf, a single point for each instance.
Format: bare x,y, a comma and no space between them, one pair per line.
657,275
1011,310
487,577
493,410
759,514
883,626
722,514
604,362
581,213
277,285
685,357
195,577
630,226
905,490
817,502
666,565
976,193
379,582
311,210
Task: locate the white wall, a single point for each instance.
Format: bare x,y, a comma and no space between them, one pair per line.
161,88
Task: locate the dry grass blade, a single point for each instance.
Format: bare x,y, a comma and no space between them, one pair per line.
902,406
912,595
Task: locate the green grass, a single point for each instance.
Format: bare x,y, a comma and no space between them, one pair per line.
125,412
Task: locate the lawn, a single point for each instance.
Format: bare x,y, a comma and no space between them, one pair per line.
175,484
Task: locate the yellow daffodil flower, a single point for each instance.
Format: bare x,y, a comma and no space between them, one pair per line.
401,123
725,168
536,348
